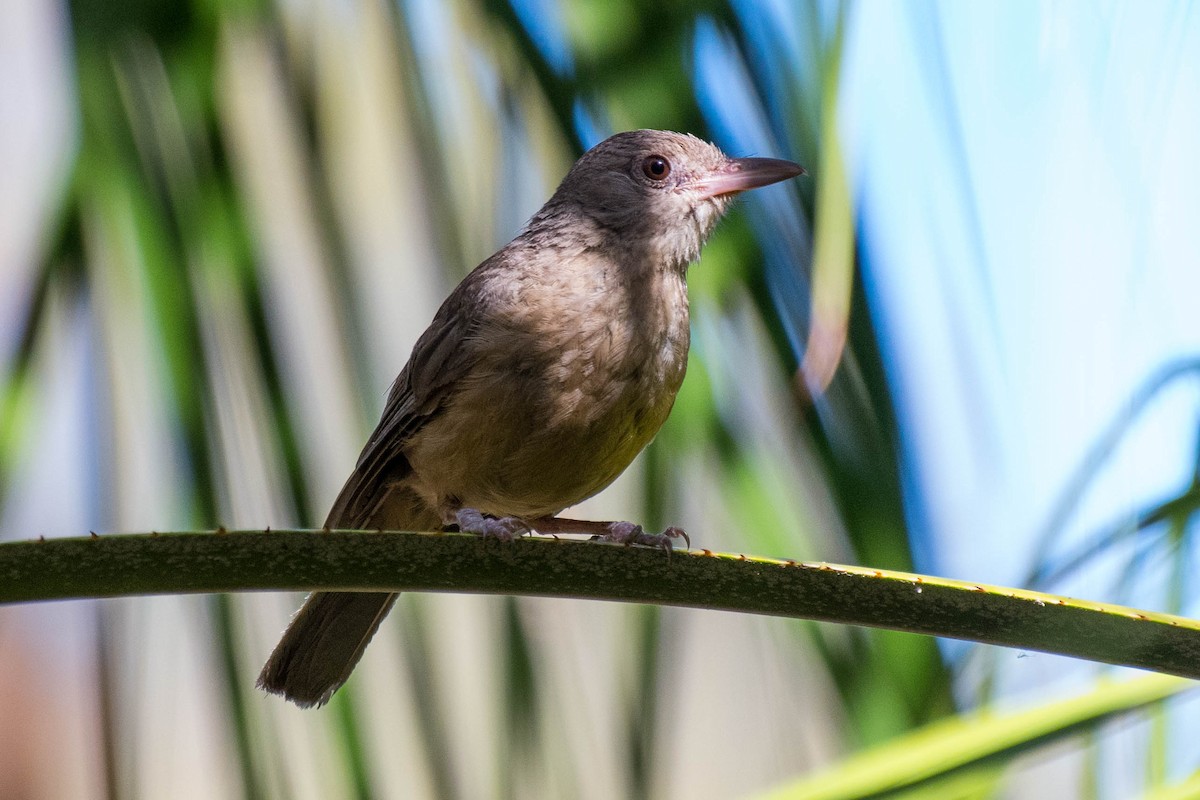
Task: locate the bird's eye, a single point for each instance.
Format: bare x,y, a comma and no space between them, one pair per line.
656,168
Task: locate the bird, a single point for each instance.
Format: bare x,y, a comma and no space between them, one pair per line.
542,375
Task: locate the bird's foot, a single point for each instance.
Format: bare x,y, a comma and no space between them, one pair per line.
504,529
629,533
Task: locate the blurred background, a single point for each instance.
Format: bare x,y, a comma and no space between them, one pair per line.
968,345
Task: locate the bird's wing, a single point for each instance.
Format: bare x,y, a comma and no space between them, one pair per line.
441,358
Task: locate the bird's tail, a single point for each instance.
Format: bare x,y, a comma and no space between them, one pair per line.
322,644
327,636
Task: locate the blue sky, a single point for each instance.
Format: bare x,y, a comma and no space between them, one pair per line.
1027,182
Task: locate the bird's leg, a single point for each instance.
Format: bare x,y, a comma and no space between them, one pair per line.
469,520
619,532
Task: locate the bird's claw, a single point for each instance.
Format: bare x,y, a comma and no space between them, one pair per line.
678,533
504,529
628,533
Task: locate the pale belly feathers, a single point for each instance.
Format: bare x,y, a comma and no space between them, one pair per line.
555,417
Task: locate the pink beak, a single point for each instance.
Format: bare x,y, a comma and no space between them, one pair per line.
740,174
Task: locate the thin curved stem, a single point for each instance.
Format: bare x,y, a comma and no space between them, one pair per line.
107,566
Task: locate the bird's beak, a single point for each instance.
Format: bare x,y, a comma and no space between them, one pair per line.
740,174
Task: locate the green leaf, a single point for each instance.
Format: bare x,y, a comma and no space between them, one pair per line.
967,741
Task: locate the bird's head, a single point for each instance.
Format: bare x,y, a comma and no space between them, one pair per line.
661,192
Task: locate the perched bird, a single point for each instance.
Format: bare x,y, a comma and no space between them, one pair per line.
543,374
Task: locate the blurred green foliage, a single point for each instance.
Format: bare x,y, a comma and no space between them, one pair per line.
265,204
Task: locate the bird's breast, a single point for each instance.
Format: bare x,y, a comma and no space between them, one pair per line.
573,380
622,360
